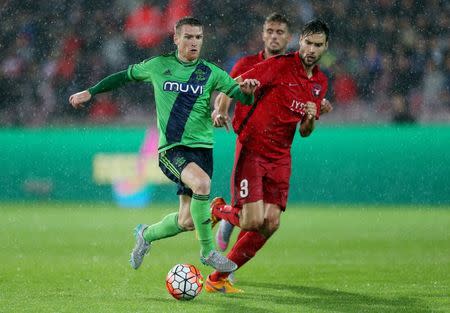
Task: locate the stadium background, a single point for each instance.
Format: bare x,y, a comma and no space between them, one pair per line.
388,63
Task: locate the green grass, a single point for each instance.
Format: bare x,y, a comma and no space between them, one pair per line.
74,258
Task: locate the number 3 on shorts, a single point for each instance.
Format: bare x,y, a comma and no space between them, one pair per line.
244,188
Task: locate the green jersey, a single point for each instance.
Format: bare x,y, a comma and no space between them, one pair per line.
182,94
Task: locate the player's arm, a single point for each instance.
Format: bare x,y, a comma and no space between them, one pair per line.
222,102
246,90
220,115
108,83
307,124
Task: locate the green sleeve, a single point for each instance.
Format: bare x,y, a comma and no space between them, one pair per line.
142,71
111,82
230,87
242,97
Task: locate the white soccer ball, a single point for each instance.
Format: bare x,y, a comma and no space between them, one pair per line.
184,282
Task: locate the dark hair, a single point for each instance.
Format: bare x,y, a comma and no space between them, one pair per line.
279,18
187,20
316,26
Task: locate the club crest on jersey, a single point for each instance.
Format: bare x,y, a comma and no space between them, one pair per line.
200,74
316,89
183,87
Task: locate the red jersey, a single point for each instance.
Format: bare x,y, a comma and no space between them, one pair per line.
269,126
243,65
246,63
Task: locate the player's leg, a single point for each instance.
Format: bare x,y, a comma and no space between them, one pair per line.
245,248
199,182
225,230
172,224
196,168
247,189
275,189
169,226
272,215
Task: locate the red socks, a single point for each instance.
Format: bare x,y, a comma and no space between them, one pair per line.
243,251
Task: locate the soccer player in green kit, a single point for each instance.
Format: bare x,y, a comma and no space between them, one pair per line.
183,84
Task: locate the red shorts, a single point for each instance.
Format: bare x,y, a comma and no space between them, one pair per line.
257,178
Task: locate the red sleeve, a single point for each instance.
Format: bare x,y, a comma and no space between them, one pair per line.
264,71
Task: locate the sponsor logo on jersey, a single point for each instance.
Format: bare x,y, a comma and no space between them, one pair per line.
316,89
297,106
183,87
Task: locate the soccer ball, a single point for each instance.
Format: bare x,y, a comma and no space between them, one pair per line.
184,282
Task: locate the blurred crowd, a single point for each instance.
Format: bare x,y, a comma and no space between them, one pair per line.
388,61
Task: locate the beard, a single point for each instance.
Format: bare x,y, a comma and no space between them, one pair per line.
274,51
310,64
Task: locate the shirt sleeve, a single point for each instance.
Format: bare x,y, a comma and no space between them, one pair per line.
264,71
224,83
141,71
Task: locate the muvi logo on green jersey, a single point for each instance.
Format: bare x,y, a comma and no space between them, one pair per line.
183,87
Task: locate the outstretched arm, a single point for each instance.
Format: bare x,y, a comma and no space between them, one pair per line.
222,102
111,82
246,90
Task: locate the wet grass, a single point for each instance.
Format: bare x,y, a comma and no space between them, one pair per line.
74,258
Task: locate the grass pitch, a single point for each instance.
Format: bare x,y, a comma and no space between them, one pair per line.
74,258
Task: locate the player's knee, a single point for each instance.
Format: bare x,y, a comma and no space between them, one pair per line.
272,226
252,224
202,186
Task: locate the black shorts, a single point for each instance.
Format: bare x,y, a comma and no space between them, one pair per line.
173,161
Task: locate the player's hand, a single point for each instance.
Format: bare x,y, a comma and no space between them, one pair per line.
78,99
220,119
249,85
325,106
311,110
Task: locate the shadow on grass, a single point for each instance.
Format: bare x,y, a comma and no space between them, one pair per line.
334,300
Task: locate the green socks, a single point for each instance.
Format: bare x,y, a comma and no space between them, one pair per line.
167,227
202,222
201,216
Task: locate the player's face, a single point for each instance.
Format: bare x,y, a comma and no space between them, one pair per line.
189,40
312,47
276,37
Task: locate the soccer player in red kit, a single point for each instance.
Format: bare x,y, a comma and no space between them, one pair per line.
292,89
276,36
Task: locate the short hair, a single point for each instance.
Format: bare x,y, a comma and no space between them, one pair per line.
278,18
316,26
187,20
